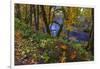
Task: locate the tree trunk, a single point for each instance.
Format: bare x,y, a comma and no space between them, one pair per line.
45,19
90,46
30,16
17,12
50,14
36,17
26,14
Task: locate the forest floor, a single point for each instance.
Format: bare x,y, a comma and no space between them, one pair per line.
41,49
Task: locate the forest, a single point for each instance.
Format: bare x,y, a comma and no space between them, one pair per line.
53,34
